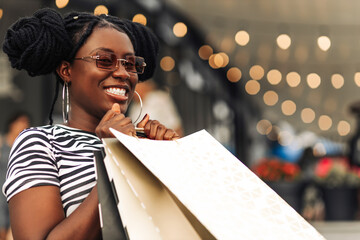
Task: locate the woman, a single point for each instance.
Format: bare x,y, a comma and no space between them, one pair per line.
50,186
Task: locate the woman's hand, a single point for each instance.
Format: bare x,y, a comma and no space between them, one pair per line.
116,120
154,130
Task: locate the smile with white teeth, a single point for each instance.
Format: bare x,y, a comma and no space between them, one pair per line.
116,91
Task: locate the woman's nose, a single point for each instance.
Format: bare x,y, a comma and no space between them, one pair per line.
120,69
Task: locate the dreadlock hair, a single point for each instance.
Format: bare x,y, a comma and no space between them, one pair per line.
39,43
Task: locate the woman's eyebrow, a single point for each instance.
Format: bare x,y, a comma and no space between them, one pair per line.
102,49
110,51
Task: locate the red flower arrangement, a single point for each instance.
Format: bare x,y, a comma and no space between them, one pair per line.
336,171
276,170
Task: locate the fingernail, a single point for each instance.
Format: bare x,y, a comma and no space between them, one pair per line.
145,116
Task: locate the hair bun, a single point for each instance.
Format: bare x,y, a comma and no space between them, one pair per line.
38,43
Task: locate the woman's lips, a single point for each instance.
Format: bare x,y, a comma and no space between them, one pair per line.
119,94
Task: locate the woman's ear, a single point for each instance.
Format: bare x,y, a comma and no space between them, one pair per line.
64,72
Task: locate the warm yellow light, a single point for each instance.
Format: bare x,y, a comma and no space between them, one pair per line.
205,52
61,3
271,98
357,79
313,80
324,43
167,63
242,38
234,74
101,9
274,76
221,60
180,29
252,87
283,41
337,81
225,59
288,107
214,63
140,18
293,79
343,128
256,72
307,115
218,60
264,127
325,122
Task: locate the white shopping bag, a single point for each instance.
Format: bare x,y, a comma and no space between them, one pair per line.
194,188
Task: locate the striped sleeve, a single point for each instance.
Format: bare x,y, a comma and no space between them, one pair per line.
31,163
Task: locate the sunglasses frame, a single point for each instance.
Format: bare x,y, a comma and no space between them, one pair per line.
121,60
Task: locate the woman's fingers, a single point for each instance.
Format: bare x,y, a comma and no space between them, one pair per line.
116,120
143,122
171,135
116,107
155,130
161,129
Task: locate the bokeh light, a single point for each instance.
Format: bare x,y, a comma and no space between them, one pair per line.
205,52
264,127
234,74
357,78
307,115
274,76
325,122
293,79
101,9
167,63
283,41
313,80
271,98
242,38
337,81
61,3
324,43
343,128
180,29
288,107
252,87
140,18
256,72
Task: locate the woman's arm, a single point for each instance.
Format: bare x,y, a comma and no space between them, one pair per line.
37,213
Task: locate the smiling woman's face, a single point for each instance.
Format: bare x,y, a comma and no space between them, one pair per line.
93,91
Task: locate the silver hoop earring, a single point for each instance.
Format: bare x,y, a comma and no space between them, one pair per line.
65,102
141,106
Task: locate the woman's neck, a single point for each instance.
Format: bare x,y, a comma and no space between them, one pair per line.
81,120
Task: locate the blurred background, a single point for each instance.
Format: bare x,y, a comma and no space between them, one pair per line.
269,79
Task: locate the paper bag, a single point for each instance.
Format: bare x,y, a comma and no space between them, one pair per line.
194,188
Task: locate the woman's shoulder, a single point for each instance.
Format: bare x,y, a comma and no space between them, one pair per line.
55,134
33,132
56,131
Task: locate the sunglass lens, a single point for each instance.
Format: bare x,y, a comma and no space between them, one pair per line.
106,61
139,65
130,64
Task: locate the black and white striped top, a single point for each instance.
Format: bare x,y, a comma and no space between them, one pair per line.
53,155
